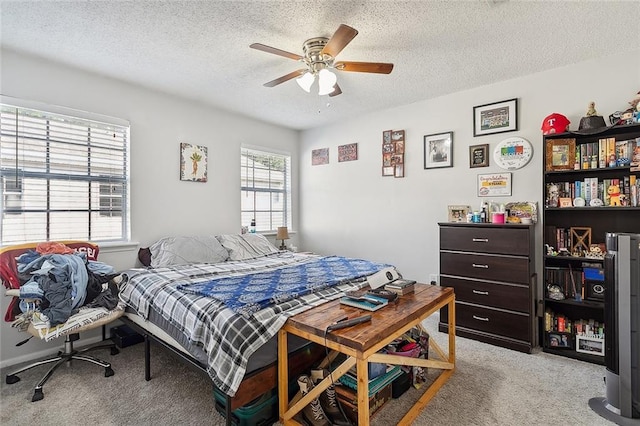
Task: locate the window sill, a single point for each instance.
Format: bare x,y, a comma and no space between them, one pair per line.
118,246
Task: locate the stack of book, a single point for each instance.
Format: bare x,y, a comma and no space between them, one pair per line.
401,286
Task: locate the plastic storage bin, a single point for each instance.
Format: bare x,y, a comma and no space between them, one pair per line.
261,411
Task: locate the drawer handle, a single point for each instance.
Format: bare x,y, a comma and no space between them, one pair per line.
480,318
480,240
477,265
484,293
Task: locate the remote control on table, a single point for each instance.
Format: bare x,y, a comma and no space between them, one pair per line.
349,323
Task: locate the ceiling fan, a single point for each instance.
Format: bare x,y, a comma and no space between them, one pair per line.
319,58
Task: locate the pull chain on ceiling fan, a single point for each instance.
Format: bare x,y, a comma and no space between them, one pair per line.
319,58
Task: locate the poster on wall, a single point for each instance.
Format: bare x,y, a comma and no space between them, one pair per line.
193,162
320,156
347,152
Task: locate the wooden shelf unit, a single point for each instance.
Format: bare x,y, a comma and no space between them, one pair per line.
600,220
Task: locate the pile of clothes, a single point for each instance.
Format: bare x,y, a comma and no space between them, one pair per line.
57,282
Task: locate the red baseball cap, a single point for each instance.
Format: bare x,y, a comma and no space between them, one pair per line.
555,123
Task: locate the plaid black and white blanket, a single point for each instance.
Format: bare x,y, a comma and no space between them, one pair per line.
228,338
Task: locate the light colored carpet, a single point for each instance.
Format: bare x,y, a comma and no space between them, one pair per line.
491,386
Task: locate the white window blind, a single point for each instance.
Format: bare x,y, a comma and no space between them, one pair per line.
266,189
63,177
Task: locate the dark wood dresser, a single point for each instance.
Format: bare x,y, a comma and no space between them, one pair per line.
492,270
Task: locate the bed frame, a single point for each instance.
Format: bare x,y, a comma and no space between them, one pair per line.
254,384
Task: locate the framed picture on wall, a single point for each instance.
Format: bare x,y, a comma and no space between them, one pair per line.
193,162
319,156
347,152
494,185
479,155
497,117
438,150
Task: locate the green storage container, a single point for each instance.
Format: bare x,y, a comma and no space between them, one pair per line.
261,411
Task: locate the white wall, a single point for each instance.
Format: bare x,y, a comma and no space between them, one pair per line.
345,208
161,204
349,209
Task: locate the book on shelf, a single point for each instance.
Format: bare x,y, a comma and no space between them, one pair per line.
368,302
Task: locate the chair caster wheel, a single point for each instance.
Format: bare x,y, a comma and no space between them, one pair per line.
37,395
108,372
115,351
11,379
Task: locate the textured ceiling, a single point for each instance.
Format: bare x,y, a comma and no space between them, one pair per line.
200,49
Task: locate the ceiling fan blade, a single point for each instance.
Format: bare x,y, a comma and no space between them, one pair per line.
343,35
336,91
294,74
269,49
375,67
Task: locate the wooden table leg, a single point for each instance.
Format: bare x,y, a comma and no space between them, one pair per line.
283,374
452,330
362,369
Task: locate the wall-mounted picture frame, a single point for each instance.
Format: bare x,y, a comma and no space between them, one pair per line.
560,154
494,185
320,156
458,213
438,150
393,143
193,162
347,152
479,155
496,117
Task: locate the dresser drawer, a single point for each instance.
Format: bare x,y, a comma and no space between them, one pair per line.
485,267
493,321
515,241
515,298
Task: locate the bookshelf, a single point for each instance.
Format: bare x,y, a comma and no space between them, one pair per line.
591,187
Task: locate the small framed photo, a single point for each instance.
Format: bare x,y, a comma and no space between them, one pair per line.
590,345
458,213
559,340
438,150
479,155
494,185
560,154
497,117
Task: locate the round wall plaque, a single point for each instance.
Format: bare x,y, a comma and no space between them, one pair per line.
513,153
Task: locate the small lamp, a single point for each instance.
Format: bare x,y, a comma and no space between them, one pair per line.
283,234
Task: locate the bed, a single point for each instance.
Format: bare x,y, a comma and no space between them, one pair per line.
219,301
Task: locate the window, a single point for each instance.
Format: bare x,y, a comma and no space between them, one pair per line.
265,184
63,176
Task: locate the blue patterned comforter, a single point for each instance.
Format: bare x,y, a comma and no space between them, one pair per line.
247,294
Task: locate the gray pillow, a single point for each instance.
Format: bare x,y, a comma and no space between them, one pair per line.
246,246
183,250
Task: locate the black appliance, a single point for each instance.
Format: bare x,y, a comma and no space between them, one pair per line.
622,324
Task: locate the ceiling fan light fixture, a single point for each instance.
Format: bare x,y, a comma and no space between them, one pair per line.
326,81
305,81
